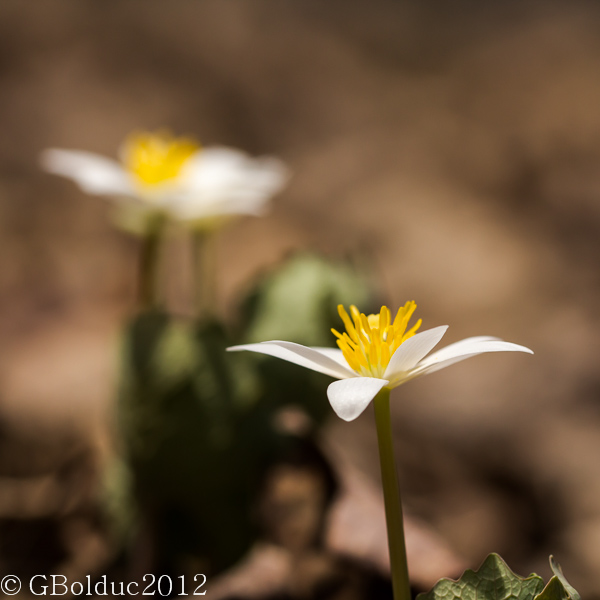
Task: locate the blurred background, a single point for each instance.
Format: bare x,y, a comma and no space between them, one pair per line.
454,147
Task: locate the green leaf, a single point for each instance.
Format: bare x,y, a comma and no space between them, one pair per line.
175,355
558,587
298,301
179,424
196,437
492,581
197,423
555,590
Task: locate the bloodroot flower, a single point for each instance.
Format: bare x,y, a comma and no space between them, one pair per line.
376,353
160,175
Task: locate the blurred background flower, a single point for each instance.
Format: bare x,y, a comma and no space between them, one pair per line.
174,178
458,146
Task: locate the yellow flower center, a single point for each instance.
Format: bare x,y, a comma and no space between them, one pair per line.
156,157
369,341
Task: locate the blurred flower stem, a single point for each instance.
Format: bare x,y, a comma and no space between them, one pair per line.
205,273
149,267
391,495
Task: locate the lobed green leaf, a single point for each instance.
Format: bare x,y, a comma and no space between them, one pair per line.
495,581
492,581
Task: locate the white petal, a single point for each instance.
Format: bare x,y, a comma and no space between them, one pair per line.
333,353
222,181
465,349
219,168
452,349
350,397
95,174
413,350
300,355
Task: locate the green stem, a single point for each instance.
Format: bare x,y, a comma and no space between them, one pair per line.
205,280
149,268
391,495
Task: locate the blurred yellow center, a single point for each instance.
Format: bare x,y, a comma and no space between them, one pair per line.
156,157
369,341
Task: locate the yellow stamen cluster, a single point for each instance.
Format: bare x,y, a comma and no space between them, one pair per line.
156,157
369,341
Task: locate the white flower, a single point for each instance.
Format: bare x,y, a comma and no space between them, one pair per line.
162,175
375,353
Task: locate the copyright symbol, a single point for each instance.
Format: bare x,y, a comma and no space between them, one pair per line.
10,585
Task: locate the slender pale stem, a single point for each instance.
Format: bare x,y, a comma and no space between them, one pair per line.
205,279
149,267
391,495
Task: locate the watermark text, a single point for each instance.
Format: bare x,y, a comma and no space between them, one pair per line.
150,585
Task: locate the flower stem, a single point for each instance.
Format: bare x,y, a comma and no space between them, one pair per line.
205,280
149,267
391,495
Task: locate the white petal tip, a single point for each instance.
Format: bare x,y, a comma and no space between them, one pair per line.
510,347
350,397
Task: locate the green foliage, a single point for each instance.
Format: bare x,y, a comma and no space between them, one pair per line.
184,413
197,422
298,302
495,581
558,587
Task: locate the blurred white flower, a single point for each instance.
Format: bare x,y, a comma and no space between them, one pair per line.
376,353
160,175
